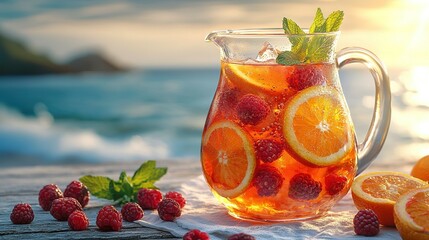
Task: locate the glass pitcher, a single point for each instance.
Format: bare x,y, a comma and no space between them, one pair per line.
279,143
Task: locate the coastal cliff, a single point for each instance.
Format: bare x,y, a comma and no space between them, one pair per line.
18,59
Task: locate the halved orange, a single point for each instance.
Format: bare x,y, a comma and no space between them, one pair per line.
379,191
411,214
254,78
317,126
228,158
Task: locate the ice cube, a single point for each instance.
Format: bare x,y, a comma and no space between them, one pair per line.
267,53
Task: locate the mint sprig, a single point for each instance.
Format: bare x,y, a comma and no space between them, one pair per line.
316,48
125,188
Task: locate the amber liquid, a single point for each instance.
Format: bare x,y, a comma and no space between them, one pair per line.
273,83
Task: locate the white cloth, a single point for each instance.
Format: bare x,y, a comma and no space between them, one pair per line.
203,212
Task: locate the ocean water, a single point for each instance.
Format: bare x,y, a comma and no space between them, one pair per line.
160,113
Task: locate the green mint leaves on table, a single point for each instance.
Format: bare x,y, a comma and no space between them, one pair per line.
310,49
126,188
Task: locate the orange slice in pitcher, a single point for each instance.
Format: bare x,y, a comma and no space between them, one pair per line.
228,159
411,214
251,77
380,190
317,127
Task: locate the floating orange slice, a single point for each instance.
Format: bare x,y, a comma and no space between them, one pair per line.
379,191
252,77
317,126
411,214
228,159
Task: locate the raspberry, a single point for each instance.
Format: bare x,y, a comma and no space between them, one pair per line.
63,207
149,198
303,187
305,76
228,99
176,196
109,219
252,109
78,221
366,223
132,212
268,150
196,234
334,183
22,213
169,209
78,191
241,236
267,180
48,194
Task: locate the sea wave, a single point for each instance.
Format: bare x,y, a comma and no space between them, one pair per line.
41,136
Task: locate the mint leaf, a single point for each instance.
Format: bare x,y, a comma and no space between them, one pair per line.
290,27
299,43
319,24
320,47
147,174
317,48
287,58
126,188
98,186
334,20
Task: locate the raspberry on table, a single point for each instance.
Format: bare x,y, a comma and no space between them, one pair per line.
132,212
109,219
366,223
196,234
334,183
267,180
78,191
268,150
22,213
78,221
176,196
48,194
62,208
149,198
252,109
241,236
169,209
306,76
303,187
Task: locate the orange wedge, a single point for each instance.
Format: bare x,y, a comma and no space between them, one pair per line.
227,158
254,78
411,214
379,191
317,126
421,169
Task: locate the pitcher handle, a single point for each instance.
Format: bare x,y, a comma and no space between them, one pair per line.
377,132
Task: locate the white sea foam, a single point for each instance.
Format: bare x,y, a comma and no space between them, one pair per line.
41,136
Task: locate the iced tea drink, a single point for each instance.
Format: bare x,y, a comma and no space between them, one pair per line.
278,143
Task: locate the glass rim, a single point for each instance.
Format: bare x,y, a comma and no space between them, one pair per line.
263,33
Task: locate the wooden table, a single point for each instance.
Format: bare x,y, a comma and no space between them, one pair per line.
22,184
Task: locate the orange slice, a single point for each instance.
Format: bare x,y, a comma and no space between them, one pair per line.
317,126
228,159
421,169
379,191
252,77
411,214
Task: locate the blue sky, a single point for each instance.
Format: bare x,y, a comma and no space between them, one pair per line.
170,33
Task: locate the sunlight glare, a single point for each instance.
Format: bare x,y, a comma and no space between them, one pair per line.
417,85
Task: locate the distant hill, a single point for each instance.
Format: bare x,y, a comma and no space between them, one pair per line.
17,59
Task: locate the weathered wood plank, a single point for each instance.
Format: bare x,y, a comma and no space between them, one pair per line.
22,184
